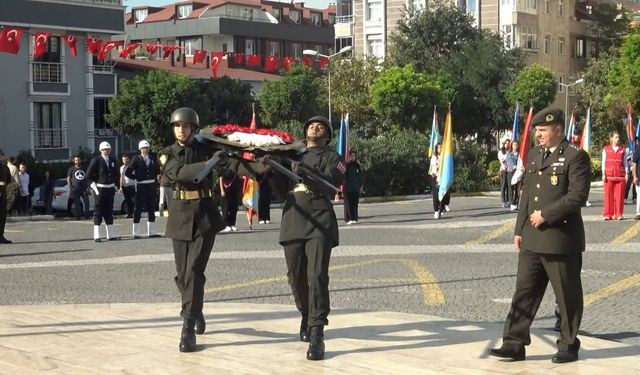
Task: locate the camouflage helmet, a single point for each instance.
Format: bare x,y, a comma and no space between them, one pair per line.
322,120
185,114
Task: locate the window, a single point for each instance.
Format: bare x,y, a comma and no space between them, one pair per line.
528,37
529,6
316,19
295,17
560,45
184,10
250,47
48,123
472,7
140,14
344,42
505,2
581,48
247,13
547,44
507,36
374,10
274,48
375,48
52,53
332,19
276,13
190,45
560,8
547,6
224,47
560,80
296,50
100,109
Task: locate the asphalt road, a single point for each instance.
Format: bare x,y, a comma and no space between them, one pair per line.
397,258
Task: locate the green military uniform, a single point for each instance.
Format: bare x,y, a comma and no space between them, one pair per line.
556,183
5,179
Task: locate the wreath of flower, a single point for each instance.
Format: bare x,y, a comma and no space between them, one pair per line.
225,130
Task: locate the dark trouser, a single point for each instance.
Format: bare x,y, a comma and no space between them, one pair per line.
438,205
308,274
48,202
534,273
352,206
129,192
80,203
24,204
3,211
264,201
191,259
627,187
104,206
514,193
504,187
146,198
229,206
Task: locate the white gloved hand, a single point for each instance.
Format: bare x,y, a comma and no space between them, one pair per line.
94,187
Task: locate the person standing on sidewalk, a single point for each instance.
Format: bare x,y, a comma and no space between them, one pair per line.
550,238
230,187
144,169
76,180
102,173
127,186
24,189
439,206
512,164
505,183
5,179
353,187
614,172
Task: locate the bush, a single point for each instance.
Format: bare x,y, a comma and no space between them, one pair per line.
493,173
470,168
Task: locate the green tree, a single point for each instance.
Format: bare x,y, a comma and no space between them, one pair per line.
609,25
536,85
404,98
624,77
294,97
226,100
144,104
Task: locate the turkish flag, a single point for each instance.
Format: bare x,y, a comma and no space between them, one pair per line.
307,60
128,49
71,42
10,40
40,46
238,58
108,46
288,63
199,56
168,50
94,45
216,58
152,48
271,64
253,60
324,61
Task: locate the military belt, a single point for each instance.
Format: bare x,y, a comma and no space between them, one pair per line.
2,183
147,182
301,188
105,185
192,194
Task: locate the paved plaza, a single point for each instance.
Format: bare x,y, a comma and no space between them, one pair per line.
409,294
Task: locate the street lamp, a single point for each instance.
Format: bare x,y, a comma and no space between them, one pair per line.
566,100
311,52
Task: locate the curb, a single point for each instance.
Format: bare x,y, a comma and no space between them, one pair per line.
19,219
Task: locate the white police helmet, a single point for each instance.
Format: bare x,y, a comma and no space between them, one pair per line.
104,146
143,143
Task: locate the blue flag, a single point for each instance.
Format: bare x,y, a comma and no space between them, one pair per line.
516,117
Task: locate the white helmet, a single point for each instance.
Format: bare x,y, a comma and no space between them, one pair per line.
143,143
105,146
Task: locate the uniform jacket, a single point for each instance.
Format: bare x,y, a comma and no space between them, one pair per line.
558,187
140,171
100,172
5,177
310,215
181,165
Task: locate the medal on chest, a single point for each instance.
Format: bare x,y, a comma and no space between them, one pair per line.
554,180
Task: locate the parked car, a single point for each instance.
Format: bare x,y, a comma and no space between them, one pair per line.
61,201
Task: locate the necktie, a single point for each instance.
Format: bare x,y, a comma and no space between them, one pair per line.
546,154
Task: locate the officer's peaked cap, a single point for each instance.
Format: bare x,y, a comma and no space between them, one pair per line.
322,120
548,116
185,114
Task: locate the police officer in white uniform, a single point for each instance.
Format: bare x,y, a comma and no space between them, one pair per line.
102,173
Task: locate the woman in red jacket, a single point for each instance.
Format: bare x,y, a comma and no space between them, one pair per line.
614,167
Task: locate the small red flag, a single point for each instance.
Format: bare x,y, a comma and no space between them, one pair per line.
94,45
168,50
107,47
152,48
271,63
324,61
40,46
216,58
253,60
238,58
128,49
10,40
288,63
307,60
199,56
71,43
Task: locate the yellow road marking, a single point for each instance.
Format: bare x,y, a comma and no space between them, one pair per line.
387,280
627,235
609,290
508,226
431,291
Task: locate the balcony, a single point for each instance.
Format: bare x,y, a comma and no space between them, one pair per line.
345,19
49,138
344,26
48,79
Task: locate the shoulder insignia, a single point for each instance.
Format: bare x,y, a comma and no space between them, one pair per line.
163,159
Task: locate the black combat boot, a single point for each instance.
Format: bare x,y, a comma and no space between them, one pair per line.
558,324
316,343
188,336
304,330
200,326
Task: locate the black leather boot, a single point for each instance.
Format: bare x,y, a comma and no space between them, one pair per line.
304,330
316,343
188,336
200,326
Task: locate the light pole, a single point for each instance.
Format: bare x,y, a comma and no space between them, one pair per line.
311,52
566,100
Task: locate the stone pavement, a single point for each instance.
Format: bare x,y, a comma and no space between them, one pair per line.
262,339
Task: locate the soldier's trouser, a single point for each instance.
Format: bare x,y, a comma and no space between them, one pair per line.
129,193
534,273
145,199
104,206
191,259
3,211
308,274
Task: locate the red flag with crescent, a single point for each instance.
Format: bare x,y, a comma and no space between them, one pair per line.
10,40
71,40
271,64
238,58
168,50
107,47
199,56
216,58
128,49
152,48
253,60
40,45
288,62
94,45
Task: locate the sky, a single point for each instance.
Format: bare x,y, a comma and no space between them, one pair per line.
130,3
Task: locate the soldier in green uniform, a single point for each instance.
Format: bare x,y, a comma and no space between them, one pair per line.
309,231
550,238
5,179
194,219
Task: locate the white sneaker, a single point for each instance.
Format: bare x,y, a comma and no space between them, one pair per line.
588,204
227,229
266,221
436,215
233,228
349,222
446,208
261,222
514,207
355,222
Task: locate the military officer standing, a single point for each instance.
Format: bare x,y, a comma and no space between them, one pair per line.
5,178
145,170
102,173
550,238
309,231
194,219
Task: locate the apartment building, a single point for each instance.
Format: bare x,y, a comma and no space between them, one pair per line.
54,103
